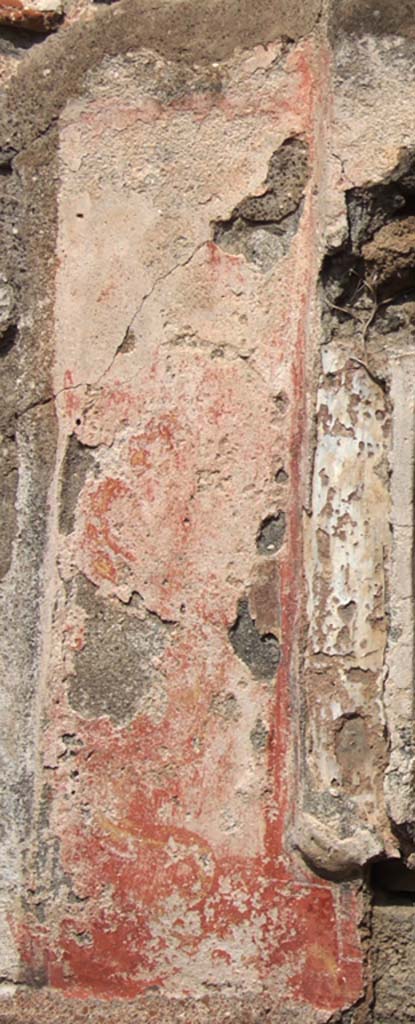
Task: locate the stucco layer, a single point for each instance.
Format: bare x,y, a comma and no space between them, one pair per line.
171,648
173,594
199,490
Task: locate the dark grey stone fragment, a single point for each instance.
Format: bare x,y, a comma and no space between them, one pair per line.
115,669
261,653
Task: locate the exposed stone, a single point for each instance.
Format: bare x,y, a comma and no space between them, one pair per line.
9,481
54,1008
282,403
281,476
390,256
117,665
393,949
78,462
6,309
271,534
261,227
374,17
260,652
225,705
264,597
259,736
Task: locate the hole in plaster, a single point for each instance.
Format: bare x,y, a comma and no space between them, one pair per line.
270,537
261,652
392,881
261,227
281,403
8,339
281,477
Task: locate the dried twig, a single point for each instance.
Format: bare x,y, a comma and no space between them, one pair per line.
341,309
376,380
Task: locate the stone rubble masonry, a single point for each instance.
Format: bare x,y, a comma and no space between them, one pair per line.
207,318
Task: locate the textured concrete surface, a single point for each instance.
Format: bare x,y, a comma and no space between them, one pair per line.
206,317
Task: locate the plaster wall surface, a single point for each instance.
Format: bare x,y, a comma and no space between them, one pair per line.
206,556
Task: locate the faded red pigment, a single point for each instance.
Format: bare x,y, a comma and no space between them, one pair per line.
123,840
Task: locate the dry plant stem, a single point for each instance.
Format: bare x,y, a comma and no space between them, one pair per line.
374,311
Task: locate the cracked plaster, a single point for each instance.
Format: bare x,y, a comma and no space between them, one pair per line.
167,347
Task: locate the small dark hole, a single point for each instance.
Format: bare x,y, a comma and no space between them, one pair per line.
281,402
78,422
281,476
393,882
270,536
8,339
20,39
7,156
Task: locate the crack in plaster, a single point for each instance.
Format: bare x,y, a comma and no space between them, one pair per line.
95,385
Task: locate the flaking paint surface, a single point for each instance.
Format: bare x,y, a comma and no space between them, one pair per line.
351,505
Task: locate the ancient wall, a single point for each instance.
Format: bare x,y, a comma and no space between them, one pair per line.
207,317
